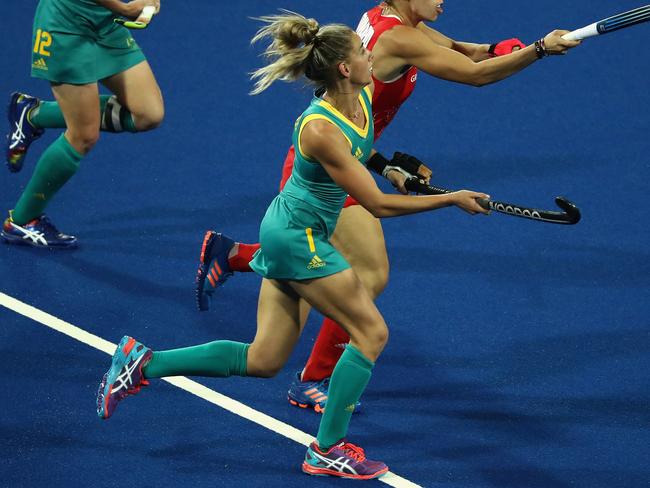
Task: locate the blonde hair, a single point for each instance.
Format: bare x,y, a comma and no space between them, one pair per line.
299,47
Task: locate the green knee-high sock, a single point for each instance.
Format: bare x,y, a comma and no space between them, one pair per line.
349,380
114,117
217,359
56,166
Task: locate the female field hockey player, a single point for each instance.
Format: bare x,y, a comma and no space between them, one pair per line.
333,140
76,44
402,44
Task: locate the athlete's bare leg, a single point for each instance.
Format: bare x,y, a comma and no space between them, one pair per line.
360,239
80,107
340,296
343,298
138,91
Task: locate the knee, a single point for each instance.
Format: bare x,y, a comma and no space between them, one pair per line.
265,371
151,118
83,140
379,336
261,366
373,340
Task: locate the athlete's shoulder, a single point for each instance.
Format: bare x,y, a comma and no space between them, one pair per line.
319,137
402,39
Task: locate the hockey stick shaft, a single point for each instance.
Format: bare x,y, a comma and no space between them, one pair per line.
569,216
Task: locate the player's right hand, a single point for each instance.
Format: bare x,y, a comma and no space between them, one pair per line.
137,6
554,44
466,200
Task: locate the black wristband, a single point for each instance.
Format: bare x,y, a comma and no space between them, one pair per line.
377,163
540,49
407,162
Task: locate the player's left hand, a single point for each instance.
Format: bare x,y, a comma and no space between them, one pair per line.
505,47
412,165
398,179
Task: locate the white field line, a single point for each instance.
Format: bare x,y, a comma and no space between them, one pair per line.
182,382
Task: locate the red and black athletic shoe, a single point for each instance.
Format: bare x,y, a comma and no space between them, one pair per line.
214,268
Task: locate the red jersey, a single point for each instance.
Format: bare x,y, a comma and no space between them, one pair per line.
389,95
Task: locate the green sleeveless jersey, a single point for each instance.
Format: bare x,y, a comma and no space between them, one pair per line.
297,226
309,181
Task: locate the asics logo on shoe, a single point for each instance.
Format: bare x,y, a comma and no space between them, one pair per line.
35,236
18,136
340,464
124,379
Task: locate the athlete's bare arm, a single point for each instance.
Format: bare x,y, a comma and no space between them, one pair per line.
324,142
405,45
475,52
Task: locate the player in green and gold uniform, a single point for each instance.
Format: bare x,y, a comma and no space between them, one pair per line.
76,45
296,230
333,140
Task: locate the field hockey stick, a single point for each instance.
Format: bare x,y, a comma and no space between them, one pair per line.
147,13
611,24
569,216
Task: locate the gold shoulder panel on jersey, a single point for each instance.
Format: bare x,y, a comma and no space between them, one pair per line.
309,118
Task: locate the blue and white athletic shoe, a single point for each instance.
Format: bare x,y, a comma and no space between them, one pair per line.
39,232
21,132
214,269
124,377
344,460
311,394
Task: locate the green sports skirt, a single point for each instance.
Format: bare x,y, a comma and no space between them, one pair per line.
294,240
77,42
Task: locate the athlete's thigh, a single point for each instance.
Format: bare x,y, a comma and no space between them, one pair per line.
136,88
360,238
343,298
278,326
79,105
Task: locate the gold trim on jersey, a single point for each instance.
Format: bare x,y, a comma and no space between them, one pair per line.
309,118
362,132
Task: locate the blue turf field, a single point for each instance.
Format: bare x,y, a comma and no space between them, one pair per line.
519,352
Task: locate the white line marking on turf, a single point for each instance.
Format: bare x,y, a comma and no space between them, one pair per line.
182,382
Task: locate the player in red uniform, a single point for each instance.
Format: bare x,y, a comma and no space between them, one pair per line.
402,44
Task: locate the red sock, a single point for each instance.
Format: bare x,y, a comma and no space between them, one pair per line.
239,262
327,350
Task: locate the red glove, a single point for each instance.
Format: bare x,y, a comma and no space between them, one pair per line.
505,47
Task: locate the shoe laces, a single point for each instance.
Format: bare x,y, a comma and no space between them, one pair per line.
355,452
324,384
44,222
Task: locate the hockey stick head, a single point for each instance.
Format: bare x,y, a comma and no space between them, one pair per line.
572,212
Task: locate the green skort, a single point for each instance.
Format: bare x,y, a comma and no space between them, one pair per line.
295,239
77,42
